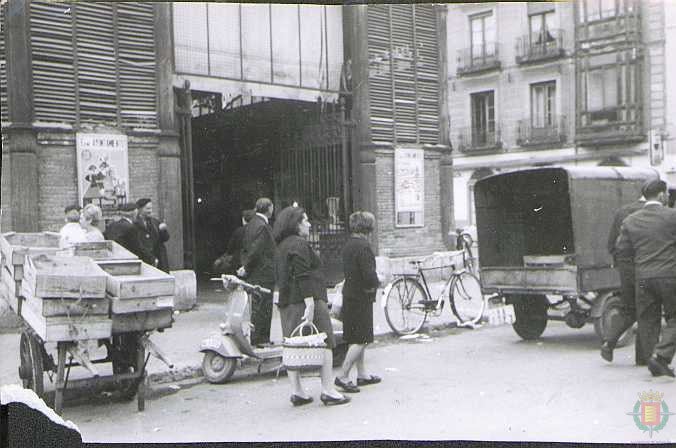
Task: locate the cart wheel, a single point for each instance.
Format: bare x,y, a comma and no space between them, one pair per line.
611,308
218,369
31,369
531,315
125,351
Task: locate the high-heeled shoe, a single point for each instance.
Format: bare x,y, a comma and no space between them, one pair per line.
297,400
330,401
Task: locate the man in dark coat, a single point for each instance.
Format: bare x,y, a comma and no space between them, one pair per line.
650,236
154,234
257,257
625,268
126,233
230,261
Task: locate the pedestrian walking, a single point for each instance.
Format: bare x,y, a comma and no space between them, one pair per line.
126,233
258,257
72,231
302,297
359,294
624,265
231,259
154,234
650,234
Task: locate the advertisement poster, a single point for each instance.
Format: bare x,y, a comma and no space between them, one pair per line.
103,171
409,186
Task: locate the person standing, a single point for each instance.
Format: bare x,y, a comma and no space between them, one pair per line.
257,258
624,265
650,235
302,298
230,261
359,294
72,231
154,234
126,233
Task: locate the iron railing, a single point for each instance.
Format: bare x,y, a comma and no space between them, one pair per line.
540,47
552,132
479,59
479,139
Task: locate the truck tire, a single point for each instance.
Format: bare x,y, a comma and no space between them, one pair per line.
531,315
611,305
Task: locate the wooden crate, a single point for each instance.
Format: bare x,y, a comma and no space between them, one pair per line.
49,307
68,277
146,320
152,282
102,250
135,305
9,297
63,328
15,246
120,267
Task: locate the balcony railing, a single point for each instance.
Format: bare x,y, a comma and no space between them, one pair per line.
530,134
539,47
479,59
479,139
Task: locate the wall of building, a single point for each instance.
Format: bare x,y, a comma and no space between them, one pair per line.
670,74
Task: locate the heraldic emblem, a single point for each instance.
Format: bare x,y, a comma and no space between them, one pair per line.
651,412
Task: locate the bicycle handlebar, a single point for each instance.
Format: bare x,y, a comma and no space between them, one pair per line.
233,280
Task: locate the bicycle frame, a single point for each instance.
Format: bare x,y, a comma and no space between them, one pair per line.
420,275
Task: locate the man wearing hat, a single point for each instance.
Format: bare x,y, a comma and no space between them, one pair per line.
650,235
153,234
126,233
625,268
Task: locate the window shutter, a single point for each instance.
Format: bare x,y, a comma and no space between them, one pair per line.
96,68
4,115
138,86
380,74
429,92
53,69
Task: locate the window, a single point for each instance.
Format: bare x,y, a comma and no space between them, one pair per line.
483,118
543,104
604,9
482,36
541,28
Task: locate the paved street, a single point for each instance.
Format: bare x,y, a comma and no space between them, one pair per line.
483,384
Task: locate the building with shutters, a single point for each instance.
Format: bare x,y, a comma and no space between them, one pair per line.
579,83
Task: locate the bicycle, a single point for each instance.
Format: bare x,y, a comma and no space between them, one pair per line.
408,301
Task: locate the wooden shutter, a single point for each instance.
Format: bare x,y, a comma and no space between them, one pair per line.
427,67
138,86
4,115
53,62
380,74
96,62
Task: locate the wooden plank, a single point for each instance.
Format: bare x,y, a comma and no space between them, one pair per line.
14,286
55,276
103,250
151,283
135,305
55,329
9,297
14,246
120,267
68,307
147,320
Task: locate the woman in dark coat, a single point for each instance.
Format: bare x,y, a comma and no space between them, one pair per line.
302,297
359,293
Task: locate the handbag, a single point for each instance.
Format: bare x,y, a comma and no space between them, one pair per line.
304,352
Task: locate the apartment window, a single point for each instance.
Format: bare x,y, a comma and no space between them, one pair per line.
541,28
482,36
543,104
604,9
602,94
483,118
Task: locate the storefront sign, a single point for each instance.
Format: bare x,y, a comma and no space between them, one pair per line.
102,169
409,187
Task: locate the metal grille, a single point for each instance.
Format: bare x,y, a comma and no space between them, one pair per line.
4,116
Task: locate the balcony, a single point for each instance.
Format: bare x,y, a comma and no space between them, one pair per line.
546,135
479,140
624,27
540,47
621,124
478,59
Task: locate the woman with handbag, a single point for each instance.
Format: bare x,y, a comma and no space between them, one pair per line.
302,298
359,293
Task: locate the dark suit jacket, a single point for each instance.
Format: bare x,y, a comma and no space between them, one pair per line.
127,234
620,216
650,235
359,266
258,252
152,240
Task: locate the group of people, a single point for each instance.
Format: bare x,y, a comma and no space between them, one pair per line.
136,230
281,256
642,241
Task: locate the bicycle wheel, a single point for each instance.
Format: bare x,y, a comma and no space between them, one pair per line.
467,301
405,308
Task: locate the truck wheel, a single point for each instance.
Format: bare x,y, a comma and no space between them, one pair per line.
611,307
218,369
531,315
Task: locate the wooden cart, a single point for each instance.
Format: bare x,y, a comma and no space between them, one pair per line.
94,292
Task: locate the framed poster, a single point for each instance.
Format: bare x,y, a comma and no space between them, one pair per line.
102,169
409,187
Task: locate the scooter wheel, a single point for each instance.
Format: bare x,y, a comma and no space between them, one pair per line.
218,369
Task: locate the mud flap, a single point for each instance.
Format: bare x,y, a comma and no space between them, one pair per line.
222,345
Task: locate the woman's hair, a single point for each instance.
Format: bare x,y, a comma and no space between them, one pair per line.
286,223
362,222
92,213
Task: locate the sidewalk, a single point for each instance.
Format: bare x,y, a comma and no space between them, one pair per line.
180,343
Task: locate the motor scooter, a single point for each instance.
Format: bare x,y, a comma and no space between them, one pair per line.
224,351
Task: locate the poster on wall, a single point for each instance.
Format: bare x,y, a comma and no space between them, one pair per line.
102,169
409,187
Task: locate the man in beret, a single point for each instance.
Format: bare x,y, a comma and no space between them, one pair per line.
649,235
126,233
154,234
